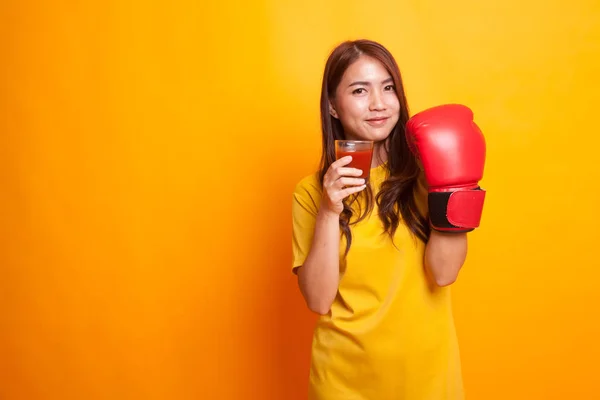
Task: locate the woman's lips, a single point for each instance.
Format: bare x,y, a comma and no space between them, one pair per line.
377,121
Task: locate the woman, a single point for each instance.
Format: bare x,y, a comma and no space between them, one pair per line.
366,257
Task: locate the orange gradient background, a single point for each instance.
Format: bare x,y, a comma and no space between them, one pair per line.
147,158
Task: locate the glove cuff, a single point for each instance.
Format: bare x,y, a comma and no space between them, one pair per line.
456,211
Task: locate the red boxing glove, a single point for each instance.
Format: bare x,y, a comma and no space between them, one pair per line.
451,149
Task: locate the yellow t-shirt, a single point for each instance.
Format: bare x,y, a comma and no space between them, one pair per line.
390,333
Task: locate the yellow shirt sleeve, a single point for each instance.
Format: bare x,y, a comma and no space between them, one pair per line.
305,205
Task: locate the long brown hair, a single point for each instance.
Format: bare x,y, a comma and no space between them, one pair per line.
396,199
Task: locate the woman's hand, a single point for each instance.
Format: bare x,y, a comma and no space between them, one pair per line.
339,182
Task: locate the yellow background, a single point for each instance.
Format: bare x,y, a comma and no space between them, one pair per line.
147,158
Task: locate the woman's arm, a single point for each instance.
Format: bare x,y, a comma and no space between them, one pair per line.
319,276
445,254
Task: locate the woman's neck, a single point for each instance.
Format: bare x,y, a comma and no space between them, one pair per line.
380,154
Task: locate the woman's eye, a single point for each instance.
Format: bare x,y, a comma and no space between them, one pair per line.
358,91
390,87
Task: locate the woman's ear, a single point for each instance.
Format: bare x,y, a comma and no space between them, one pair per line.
332,111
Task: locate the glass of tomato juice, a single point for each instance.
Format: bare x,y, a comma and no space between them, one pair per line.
361,152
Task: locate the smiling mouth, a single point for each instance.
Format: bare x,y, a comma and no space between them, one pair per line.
377,121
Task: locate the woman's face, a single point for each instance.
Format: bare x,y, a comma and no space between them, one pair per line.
366,102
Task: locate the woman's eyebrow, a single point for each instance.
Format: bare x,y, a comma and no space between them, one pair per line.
365,83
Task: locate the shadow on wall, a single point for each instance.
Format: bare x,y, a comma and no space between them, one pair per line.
283,323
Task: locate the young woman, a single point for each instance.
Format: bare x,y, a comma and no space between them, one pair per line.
375,258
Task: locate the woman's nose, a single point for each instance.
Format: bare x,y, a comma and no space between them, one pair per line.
377,102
